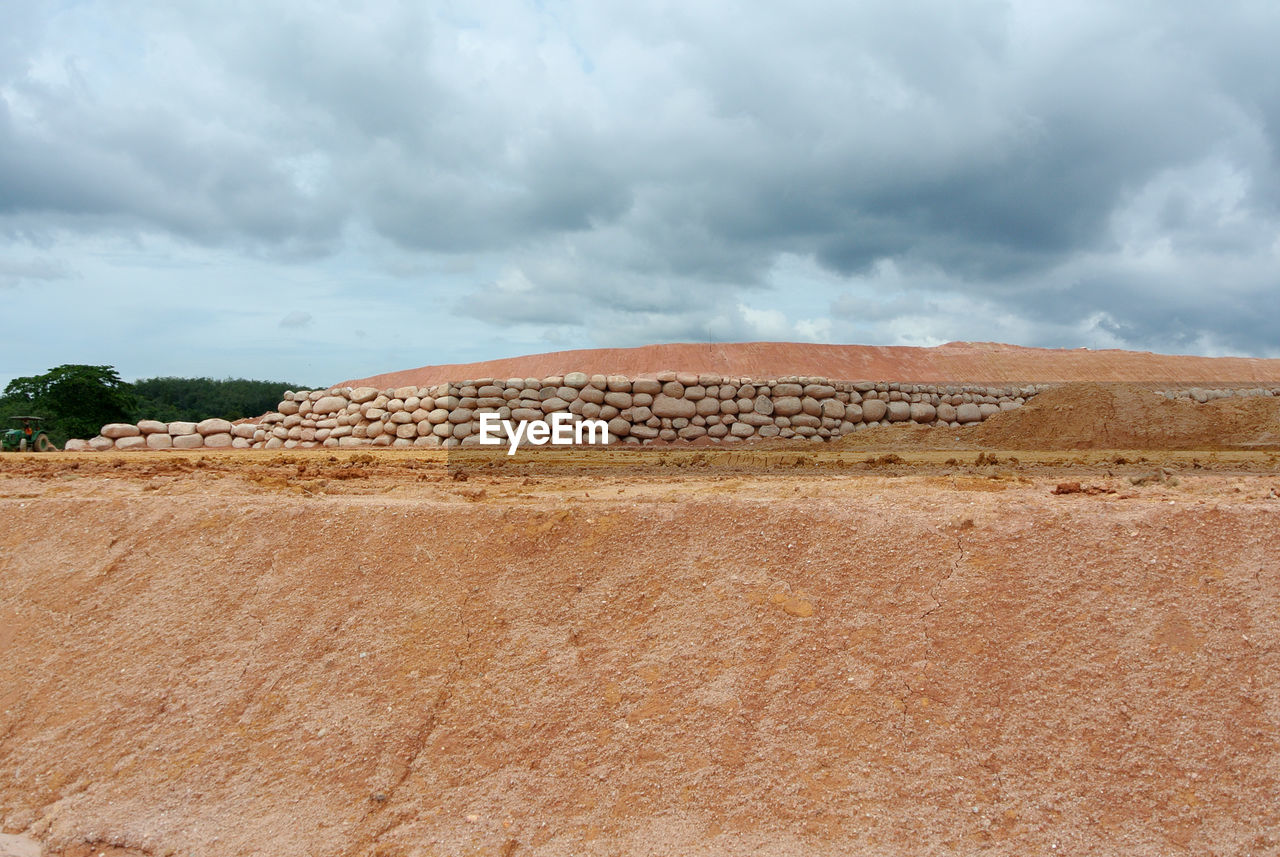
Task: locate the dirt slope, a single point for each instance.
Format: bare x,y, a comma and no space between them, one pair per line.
1099,416
979,362
357,655
1126,416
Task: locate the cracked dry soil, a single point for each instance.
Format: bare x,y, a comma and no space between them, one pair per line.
359,655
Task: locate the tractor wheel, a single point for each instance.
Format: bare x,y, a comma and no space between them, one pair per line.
43,444
22,445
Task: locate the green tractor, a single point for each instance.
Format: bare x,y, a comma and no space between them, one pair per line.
28,438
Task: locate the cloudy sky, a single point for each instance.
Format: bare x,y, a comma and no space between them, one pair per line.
311,191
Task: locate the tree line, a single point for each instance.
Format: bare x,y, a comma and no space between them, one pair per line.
77,399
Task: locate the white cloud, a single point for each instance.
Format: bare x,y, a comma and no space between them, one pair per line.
460,180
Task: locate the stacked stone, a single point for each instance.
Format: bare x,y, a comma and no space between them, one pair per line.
669,407
152,434
672,406
1201,395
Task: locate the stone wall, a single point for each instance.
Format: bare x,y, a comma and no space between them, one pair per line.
672,406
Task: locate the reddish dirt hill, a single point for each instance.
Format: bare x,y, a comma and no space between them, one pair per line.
979,362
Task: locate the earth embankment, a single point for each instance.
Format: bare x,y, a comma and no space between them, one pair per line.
324,655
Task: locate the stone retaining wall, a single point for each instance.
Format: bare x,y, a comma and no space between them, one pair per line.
672,406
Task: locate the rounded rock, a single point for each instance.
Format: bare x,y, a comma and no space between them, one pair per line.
670,407
874,409
899,412
787,406
646,385
213,426
117,431
922,412
159,441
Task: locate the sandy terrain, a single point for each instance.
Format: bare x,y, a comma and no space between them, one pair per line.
955,362
797,651
1056,632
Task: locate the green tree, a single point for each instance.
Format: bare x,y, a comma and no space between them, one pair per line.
75,399
168,399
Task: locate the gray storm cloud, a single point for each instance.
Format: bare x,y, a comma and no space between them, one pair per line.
1059,174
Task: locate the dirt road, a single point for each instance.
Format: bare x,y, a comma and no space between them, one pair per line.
830,653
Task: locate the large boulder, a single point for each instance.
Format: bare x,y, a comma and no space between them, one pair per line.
874,409
923,412
136,441
213,426
328,405
77,445
159,441
672,408
153,427
646,385
181,428
619,400
707,406
119,430
968,413
787,406
188,441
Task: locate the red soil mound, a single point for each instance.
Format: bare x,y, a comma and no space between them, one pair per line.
978,362
1126,416
1099,416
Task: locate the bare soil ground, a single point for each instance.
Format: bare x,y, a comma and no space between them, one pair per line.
830,649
